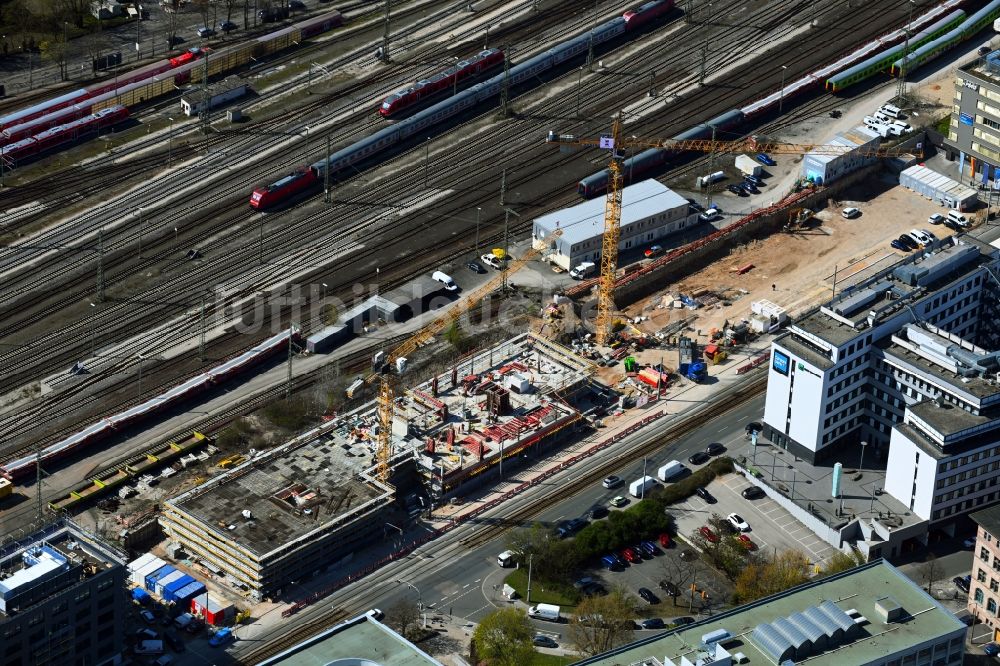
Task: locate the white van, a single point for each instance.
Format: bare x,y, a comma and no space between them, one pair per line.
890,110
583,270
507,558
670,471
444,279
958,218
882,118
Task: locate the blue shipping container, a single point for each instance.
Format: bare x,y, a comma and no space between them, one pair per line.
170,590
140,595
190,591
157,575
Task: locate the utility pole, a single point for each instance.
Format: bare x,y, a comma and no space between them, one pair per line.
206,113
503,186
138,23
590,47
506,250
100,265
288,386
326,172
901,83
704,61
260,241
478,212
527,598
579,83
140,232
505,88
201,327
385,35
38,479
711,167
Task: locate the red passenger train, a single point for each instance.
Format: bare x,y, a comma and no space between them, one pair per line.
478,64
266,196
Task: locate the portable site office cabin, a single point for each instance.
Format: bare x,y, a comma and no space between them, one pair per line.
140,562
138,575
170,590
150,581
189,591
161,585
214,611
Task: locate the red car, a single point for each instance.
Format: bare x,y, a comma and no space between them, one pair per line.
653,251
664,540
746,542
631,556
709,535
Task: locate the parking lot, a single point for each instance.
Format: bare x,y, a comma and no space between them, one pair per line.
771,526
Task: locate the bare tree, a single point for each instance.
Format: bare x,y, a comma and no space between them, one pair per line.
602,623
930,571
403,615
678,575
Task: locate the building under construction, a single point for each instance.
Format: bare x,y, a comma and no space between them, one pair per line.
296,510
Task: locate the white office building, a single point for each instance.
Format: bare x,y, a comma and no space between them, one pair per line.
650,211
906,361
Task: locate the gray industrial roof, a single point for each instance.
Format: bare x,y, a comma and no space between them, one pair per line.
586,220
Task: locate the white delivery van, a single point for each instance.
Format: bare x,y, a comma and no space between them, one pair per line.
670,471
890,110
444,279
583,270
507,558
548,612
957,217
641,486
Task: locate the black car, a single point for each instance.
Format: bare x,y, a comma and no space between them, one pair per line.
227,26
908,242
679,621
898,244
752,493
749,187
951,224
962,583
568,528
715,449
697,206
669,588
475,267
648,595
174,641
544,641
699,458
598,511
750,178
653,623
702,492
205,31
736,189
296,5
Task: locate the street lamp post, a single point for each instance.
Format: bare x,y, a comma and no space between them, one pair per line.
478,212
140,232
141,358
862,459
93,334
781,94
420,600
427,154
170,143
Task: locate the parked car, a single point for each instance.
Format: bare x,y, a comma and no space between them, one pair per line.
851,213
669,588
709,535
221,637
542,640
715,449
747,542
752,493
653,623
699,458
906,240
227,26
205,31
648,596
174,640
703,493
491,260
618,501
736,520
296,5
898,244
612,481
749,187
475,267
694,204
631,556
710,214
962,582
765,159
991,649
568,528
653,251
681,621
649,548
445,279
750,178
597,512
146,635
147,616
936,218
736,189
664,540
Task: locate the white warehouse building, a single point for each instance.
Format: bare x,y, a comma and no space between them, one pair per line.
650,211
821,169
907,360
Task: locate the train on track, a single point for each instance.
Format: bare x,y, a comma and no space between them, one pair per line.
945,27
266,196
62,134
17,469
139,86
449,79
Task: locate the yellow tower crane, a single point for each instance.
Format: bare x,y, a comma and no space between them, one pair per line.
397,357
617,144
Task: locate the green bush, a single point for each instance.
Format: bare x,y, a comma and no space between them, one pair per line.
543,591
647,518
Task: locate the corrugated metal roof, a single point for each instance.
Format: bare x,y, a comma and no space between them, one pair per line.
586,220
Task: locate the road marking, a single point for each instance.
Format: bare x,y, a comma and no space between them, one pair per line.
466,585
479,580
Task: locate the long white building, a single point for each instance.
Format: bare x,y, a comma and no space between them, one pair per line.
906,361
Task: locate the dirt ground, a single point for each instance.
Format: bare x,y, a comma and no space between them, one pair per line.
800,266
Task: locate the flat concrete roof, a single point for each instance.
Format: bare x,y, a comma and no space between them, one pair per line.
861,589
988,518
804,351
289,491
363,639
973,387
586,220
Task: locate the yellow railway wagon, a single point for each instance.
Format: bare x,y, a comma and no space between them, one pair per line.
151,90
282,40
224,62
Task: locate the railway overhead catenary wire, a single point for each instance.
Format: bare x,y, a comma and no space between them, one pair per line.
617,144
398,355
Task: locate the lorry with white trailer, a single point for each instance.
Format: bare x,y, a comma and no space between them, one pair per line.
640,487
748,165
548,612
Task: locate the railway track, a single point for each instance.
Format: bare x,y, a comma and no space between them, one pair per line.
355,598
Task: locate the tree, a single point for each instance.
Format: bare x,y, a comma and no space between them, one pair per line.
764,576
842,561
601,623
930,571
552,560
727,553
679,574
503,638
403,615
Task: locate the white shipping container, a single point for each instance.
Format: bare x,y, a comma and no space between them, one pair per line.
748,165
938,187
139,576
